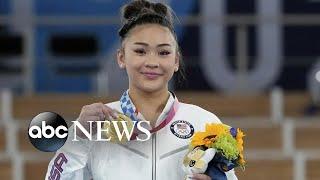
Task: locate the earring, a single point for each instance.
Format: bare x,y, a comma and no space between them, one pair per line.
176,69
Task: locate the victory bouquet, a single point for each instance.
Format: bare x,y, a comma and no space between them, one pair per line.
216,150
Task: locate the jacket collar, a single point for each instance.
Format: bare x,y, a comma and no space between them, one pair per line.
130,110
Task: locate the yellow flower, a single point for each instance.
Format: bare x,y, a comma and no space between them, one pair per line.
202,139
216,129
198,139
208,137
239,139
209,140
241,159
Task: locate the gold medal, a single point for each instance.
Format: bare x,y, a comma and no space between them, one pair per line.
120,121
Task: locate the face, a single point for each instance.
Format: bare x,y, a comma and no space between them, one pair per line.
149,55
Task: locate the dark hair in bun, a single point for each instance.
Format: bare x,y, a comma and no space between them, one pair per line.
140,12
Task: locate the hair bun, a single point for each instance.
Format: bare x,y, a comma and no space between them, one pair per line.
135,8
143,11
139,7
160,9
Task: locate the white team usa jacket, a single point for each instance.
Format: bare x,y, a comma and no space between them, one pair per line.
159,158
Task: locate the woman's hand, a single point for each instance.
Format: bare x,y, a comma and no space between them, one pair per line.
94,112
201,177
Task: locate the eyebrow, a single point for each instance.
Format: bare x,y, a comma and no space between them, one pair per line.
145,44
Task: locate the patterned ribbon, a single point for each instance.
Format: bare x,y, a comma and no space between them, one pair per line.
130,110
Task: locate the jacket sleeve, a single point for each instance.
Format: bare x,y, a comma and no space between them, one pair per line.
70,162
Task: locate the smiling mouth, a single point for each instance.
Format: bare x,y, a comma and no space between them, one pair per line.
151,75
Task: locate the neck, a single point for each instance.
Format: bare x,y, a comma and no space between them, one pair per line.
150,105
151,101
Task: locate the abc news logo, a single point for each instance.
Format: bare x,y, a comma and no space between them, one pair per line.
48,131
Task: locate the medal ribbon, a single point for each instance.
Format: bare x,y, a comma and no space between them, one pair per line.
129,110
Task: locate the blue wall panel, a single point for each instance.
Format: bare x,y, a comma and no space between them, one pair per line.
46,78
4,6
78,7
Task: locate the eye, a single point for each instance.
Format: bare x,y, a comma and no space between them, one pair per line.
164,53
140,51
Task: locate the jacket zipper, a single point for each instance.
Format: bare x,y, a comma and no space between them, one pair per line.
154,157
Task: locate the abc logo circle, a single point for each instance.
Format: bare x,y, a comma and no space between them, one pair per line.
48,131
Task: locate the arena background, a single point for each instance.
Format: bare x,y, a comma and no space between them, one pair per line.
254,63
